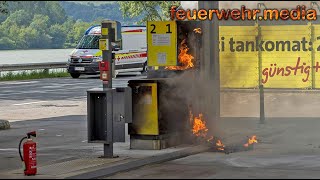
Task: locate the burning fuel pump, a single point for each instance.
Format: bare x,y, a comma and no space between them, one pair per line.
29,154
181,95
179,99
159,116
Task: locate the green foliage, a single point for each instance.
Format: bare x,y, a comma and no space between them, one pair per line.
38,24
57,14
20,18
150,10
59,24
57,35
3,7
6,43
90,11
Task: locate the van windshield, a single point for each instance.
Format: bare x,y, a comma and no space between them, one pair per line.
89,42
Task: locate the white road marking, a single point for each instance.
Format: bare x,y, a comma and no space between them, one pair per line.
9,149
34,92
18,82
29,103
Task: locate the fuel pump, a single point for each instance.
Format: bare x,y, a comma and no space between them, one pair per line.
29,154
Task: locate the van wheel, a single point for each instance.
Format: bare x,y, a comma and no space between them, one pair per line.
75,75
145,68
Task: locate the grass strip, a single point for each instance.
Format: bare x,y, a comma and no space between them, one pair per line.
34,74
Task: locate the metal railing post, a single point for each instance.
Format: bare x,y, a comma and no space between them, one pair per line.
262,114
312,38
261,87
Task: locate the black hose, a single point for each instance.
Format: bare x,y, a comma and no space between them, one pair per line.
20,147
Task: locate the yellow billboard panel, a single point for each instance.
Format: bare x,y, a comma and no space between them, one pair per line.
238,69
286,58
316,63
282,56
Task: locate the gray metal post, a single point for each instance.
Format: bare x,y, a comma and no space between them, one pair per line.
107,54
209,65
107,57
262,116
261,88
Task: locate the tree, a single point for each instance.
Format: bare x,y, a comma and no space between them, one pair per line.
3,7
58,36
151,10
47,24
36,39
56,13
20,18
40,23
6,43
78,30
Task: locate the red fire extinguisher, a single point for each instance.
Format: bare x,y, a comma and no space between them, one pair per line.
29,154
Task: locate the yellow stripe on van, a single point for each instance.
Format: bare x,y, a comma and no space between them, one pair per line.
99,53
123,55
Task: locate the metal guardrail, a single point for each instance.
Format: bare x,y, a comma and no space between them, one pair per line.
32,66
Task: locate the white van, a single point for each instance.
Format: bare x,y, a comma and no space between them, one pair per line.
132,57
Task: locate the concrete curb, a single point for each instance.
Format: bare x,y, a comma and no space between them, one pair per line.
109,171
4,124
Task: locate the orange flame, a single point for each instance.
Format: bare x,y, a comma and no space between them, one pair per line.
185,59
200,129
220,146
197,30
251,140
199,126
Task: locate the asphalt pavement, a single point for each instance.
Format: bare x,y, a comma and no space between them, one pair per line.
54,88
288,146
56,109
52,97
239,166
